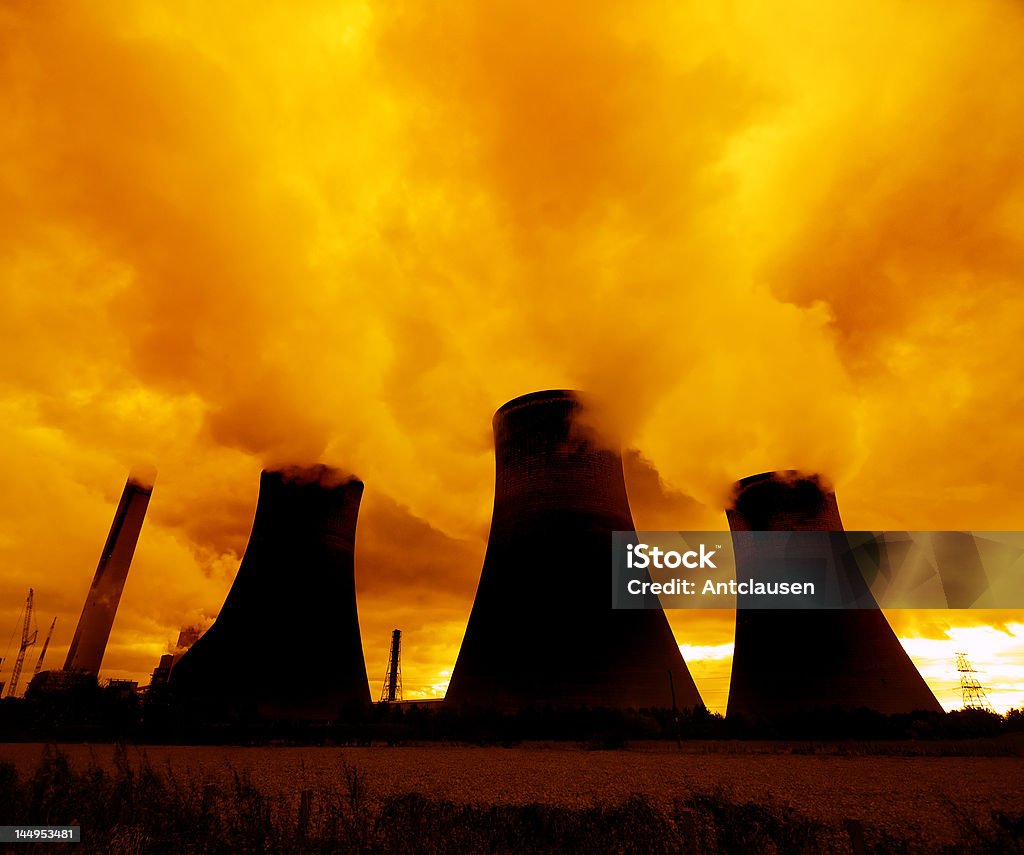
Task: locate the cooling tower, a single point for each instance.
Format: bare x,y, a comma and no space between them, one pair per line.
90,640
788,660
542,630
286,642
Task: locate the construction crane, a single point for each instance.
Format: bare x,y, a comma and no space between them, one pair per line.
27,640
42,653
392,689
974,695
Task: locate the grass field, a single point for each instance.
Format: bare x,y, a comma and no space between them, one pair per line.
717,797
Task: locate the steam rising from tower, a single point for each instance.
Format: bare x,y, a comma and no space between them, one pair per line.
788,661
542,630
286,643
90,640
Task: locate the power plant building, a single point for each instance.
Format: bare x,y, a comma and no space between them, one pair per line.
542,630
286,643
790,661
93,631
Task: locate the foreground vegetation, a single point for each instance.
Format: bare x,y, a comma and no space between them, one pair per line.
138,809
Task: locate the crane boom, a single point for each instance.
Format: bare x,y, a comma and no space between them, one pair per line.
27,640
42,653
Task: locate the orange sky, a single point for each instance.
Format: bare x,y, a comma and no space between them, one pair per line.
765,235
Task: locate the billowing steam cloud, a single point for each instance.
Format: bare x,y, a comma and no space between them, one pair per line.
237,235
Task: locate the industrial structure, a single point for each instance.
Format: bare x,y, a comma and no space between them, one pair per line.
542,630
28,638
974,695
392,689
794,661
46,645
286,643
93,631
188,636
162,673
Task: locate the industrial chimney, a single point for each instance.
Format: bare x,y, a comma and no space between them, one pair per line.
798,660
286,642
542,630
90,641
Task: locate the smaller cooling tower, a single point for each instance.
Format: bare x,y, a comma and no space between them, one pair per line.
286,642
90,640
790,660
542,630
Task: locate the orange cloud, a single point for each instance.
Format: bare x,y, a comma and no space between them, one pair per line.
231,236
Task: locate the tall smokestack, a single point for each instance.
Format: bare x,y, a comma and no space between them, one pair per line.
90,641
542,630
798,660
286,642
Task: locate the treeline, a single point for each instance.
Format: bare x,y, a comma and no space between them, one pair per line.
96,714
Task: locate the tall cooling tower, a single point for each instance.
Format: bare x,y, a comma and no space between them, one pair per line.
90,641
789,661
286,642
542,630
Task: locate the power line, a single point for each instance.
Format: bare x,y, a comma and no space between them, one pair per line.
974,695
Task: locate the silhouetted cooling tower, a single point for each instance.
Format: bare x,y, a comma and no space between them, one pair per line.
286,642
542,630
787,660
90,640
